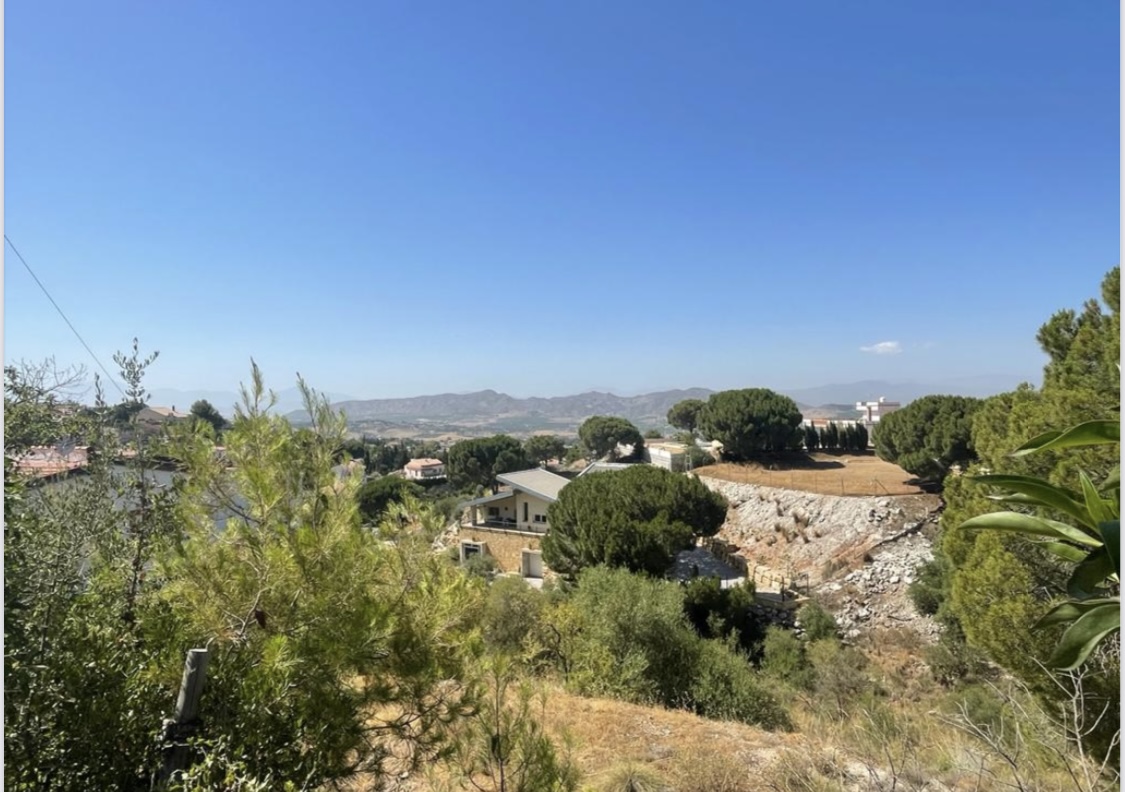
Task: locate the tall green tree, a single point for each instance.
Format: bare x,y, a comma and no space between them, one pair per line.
812,438
832,436
685,414
861,437
376,496
929,435
204,411
544,448
1081,383
638,518
602,434
479,461
751,421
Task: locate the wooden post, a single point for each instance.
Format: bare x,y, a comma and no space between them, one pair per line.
187,710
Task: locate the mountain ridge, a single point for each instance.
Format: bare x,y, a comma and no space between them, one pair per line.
491,410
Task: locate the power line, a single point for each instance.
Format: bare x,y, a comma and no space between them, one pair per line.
63,315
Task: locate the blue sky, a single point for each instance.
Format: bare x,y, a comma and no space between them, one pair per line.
540,198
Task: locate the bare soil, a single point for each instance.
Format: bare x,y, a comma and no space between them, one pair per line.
823,474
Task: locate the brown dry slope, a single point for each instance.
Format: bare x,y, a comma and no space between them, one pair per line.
825,474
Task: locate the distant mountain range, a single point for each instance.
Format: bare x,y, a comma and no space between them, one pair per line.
288,400
488,411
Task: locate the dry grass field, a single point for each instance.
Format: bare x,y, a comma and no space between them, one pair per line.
824,474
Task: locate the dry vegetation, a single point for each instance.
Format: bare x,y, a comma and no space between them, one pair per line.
824,474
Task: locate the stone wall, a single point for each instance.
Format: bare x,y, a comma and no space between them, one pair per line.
505,546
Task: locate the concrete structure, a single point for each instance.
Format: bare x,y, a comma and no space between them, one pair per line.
872,411
424,469
510,524
668,455
605,467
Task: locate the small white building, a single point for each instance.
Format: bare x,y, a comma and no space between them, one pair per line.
872,411
424,469
668,455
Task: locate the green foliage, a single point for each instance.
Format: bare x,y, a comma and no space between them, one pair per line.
602,434
512,614
993,596
502,746
1000,580
1090,539
638,518
783,656
479,461
204,411
812,438
725,687
326,640
831,439
817,622
481,566
376,496
862,438
84,692
841,681
929,435
685,414
927,592
750,421
631,640
717,612
653,434
544,448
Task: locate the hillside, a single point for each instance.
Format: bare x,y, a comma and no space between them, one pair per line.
489,411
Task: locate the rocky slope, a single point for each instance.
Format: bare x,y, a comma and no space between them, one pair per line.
857,555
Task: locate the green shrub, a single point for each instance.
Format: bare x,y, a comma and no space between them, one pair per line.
480,565
817,622
512,613
783,656
841,682
725,687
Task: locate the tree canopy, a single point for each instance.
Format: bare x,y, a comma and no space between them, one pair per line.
204,411
990,588
377,495
544,448
479,461
685,414
601,434
750,421
637,518
929,435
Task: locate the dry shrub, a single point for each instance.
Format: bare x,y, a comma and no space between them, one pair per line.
715,772
807,770
634,777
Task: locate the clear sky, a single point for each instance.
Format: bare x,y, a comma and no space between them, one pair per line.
397,198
